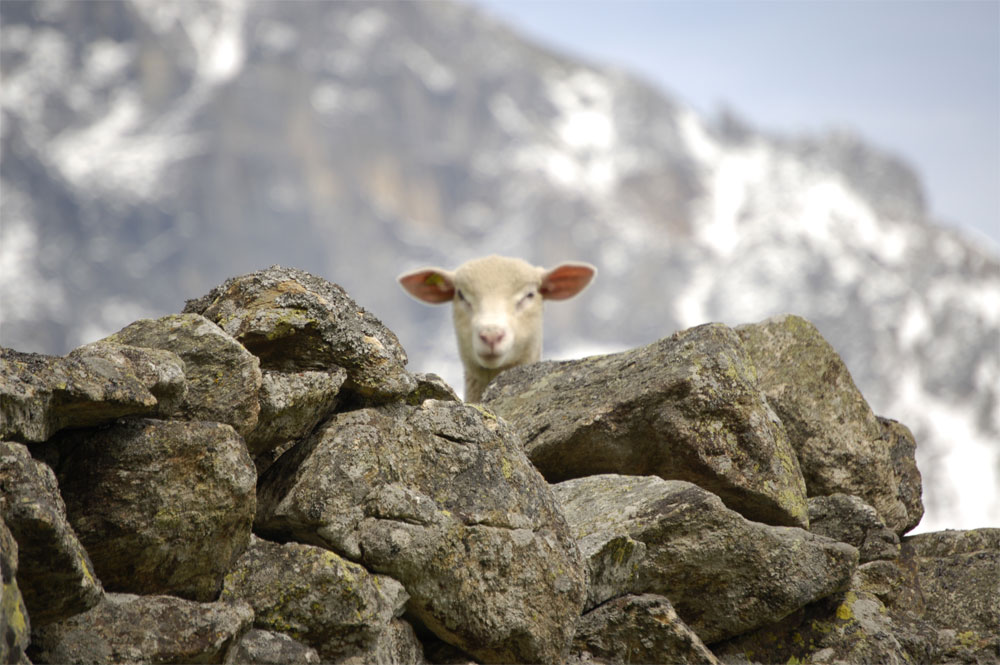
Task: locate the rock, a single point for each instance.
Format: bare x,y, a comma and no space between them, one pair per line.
842,447
431,386
902,457
851,627
686,408
936,603
442,498
725,575
264,647
851,520
56,576
291,405
613,561
160,506
40,395
640,629
15,626
317,597
143,629
956,576
292,321
223,378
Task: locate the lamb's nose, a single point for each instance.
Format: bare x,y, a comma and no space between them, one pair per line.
491,337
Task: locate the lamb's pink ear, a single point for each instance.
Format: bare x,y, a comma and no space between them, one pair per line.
432,285
566,281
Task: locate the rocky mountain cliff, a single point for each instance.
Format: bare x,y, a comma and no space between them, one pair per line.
152,149
260,479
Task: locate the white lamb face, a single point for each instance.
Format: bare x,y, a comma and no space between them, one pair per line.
498,323
497,307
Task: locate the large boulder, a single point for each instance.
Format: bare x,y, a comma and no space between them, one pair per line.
56,576
724,574
291,405
15,626
685,408
936,603
851,520
292,320
319,598
223,378
265,647
842,446
143,629
850,627
160,506
95,384
957,579
442,498
639,629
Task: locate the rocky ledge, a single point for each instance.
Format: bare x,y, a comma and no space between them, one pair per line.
259,479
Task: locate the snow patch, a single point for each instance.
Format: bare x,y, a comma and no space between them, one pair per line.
114,156
436,77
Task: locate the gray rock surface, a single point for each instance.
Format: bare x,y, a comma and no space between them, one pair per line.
265,647
40,395
15,624
935,603
223,378
687,407
442,498
958,578
842,446
56,577
160,506
125,628
724,574
613,561
319,598
293,320
851,520
291,405
639,629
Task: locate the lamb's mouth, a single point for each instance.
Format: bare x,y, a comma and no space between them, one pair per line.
490,359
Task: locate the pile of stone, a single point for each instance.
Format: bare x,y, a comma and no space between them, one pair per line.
260,480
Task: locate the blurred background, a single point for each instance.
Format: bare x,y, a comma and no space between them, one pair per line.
717,162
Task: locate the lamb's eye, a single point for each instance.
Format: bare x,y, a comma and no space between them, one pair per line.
526,298
461,296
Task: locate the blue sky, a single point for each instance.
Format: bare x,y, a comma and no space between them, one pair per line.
920,79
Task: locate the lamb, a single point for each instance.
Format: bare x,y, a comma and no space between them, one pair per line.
497,309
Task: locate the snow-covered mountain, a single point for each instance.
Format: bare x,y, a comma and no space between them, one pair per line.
151,149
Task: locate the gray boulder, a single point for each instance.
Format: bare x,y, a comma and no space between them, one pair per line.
319,598
936,603
265,647
160,506
957,578
223,378
842,446
686,408
40,395
15,626
55,576
639,629
850,627
291,405
442,498
612,563
143,629
851,520
292,320
724,574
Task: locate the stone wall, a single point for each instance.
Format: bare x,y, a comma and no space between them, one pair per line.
259,479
